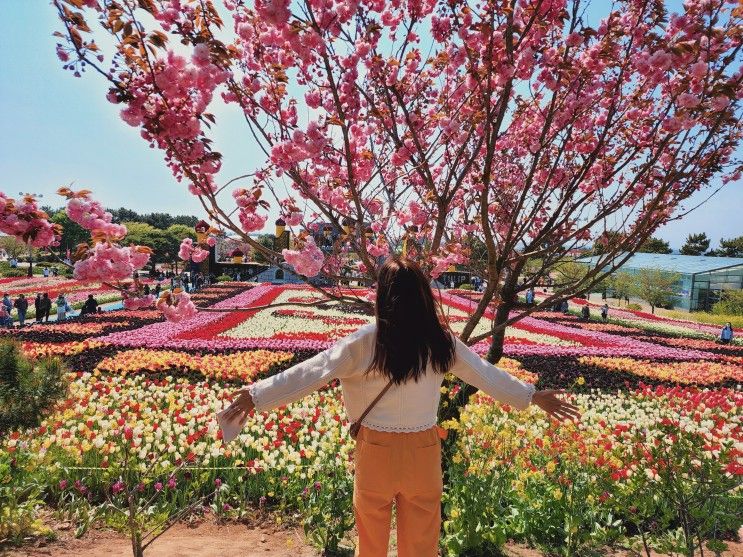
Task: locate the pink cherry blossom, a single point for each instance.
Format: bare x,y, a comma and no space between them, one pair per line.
189,251
307,261
177,307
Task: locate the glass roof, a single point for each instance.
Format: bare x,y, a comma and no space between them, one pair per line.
685,264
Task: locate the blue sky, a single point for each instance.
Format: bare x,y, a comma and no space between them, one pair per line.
58,130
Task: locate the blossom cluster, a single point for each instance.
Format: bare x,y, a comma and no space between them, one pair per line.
306,261
108,262
189,251
176,306
91,215
24,219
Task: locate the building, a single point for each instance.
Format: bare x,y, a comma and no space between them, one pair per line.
703,278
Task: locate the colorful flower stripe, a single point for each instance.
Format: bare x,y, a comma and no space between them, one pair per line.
44,349
699,372
651,321
175,418
246,366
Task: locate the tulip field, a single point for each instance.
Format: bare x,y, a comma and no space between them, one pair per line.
655,464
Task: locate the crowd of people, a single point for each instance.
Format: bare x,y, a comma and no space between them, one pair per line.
43,305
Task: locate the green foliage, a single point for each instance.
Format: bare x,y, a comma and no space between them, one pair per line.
143,234
224,278
731,303
696,244
655,245
13,246
635,307
570,273
265,240
731,248
7,271
682,490
465,286
656,287
28,388
156,220
72,233
621,284
327,506
20,499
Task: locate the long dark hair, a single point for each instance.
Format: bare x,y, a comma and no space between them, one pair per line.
410,332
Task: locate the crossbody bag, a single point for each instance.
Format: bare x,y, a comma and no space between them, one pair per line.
356,426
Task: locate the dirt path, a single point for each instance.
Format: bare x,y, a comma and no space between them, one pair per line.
209,539
206,539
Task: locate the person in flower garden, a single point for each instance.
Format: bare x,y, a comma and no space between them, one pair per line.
21,304
62,307
46,307
726,335
38,306
391,374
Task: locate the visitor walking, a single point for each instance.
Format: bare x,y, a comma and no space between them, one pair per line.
21,304
565,307
401,360
146,289
157,290
605,312
726,335
585,313
62,307
90,306
38,305
45,272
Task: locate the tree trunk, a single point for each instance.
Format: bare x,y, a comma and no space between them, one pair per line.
451,409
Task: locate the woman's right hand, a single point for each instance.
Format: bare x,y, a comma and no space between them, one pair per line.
559,409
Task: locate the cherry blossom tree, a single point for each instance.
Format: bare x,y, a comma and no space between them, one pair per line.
490,135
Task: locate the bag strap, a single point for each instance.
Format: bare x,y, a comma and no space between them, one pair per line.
374,402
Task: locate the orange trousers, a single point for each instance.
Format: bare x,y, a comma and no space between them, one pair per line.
404,468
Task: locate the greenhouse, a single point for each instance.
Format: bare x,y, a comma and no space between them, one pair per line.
703,278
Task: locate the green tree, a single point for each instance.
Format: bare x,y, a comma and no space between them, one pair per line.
143,234
28,388
187,220
729,248
158,220
174,235
569,273
655,245
696,244
72,233
264,240
656,287
13,246
621,284
731,303
123,214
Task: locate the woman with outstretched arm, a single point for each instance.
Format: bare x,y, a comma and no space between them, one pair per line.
391,373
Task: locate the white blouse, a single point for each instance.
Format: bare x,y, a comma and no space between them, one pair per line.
411,406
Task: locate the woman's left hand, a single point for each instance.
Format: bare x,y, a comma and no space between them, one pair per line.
241,406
